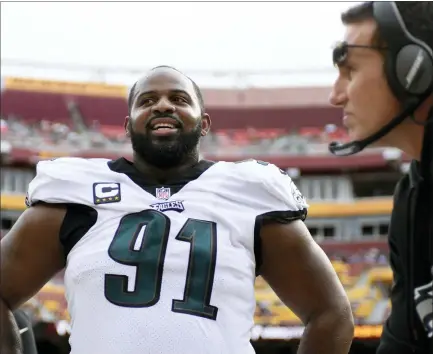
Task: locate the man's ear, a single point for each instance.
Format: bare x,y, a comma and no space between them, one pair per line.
205,124
127,126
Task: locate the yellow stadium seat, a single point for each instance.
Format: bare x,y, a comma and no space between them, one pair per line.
364,309
266,296
380,274
282,315
358,293
51,305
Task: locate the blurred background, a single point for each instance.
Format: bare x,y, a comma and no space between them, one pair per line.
265,71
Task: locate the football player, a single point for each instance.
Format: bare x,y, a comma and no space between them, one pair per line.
161,252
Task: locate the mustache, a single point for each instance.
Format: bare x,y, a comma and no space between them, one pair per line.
164,115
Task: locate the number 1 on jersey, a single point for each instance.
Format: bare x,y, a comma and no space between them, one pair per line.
149,261
201,268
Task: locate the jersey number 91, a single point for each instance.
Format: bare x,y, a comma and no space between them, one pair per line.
149,257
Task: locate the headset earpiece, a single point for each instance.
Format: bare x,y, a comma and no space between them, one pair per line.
409,61
414,69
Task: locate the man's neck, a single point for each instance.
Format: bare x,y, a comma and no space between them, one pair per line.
409,136
164,174
409,139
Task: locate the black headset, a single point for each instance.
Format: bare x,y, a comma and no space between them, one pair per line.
408,69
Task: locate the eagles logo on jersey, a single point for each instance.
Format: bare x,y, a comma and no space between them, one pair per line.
27,201
297,195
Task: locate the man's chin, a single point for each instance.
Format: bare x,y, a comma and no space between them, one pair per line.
356,135
161,156
167,145
166,140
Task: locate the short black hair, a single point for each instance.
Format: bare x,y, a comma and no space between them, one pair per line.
196,89
417,16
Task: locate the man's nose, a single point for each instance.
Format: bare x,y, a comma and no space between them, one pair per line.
164,106
338,96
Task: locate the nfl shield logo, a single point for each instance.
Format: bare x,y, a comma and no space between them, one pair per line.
163,193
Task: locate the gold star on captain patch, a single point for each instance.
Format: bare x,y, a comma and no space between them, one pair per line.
117,198
98,200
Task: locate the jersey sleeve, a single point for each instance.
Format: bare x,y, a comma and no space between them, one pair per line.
58,181
272,197
284,200
66,181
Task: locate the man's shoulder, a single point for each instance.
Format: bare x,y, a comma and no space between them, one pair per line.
263,184
68,180
404,183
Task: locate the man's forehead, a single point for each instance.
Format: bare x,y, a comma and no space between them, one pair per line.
360,33
162,79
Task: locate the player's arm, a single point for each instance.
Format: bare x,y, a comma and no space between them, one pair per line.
30,254
302,276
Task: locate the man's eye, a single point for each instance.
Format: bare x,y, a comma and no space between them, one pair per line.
339,55
179,99
146,101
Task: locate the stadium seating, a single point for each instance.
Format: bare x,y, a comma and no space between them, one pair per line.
363,286
112,109
104,115
34,106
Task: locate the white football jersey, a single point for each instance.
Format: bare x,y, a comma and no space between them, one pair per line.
170,269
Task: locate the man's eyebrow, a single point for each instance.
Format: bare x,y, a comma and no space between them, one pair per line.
152,92
145,93
182,92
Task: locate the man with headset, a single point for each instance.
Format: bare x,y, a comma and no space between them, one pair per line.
385,87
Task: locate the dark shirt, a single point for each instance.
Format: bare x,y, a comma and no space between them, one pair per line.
408,330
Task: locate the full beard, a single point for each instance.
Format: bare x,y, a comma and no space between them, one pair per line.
166,152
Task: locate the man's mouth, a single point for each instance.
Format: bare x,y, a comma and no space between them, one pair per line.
164,126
